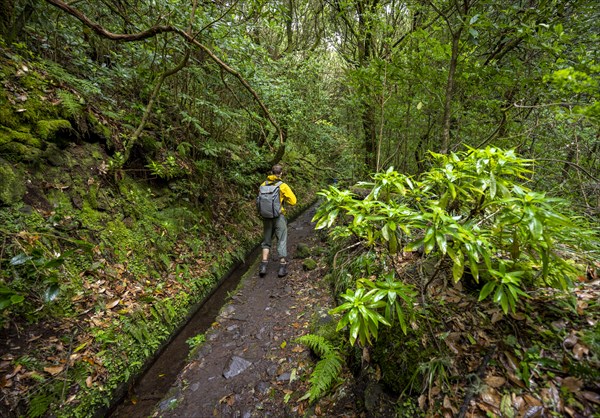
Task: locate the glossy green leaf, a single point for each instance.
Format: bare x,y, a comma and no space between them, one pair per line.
486,290
457,271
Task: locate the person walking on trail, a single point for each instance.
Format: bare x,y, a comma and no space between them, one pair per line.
277,225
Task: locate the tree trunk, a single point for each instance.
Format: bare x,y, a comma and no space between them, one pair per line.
6,16
11,25
370,136
445,145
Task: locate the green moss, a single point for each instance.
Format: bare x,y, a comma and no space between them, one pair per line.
48,129
12,184
19,152
97,127
400,356
8,117
8,135
33,81
60,199
90,218
92,196
309,264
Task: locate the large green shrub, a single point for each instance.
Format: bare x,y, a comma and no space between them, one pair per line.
474,210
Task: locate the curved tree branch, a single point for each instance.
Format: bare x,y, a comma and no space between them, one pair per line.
572,164
158,29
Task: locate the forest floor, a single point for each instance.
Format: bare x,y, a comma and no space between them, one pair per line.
250,364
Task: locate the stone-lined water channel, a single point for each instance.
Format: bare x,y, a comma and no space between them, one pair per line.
141,397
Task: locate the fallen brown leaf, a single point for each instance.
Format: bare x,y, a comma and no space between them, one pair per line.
113,303
591,396
572,384
495,381
579,351
54,370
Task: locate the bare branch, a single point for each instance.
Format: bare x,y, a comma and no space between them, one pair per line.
572,164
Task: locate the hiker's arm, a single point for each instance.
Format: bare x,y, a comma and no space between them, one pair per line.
288,196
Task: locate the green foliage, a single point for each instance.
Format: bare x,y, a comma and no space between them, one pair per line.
362,306
360,314
47,129
472,208
327,369
194,342
12,184
432,372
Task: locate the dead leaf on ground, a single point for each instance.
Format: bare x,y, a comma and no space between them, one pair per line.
113,303
591,396
495,381
572,384
570,341
54,370
580,351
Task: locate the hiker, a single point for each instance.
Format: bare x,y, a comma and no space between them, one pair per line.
277,225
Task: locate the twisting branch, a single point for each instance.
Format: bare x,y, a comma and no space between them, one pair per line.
572,164
159,29
119,37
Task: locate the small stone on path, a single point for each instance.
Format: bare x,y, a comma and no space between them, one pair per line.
236,366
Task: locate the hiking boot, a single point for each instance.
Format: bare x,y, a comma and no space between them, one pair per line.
282,270
262,268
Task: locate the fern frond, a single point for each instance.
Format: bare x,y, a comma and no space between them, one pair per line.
324,376
38,405
327,369
318,344
70,102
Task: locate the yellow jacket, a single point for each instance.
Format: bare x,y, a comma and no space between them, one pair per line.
285,193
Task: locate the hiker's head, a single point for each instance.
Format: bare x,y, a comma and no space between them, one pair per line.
277,170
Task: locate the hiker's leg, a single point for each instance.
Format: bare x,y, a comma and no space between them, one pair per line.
281,233
267,238
281,228
266,246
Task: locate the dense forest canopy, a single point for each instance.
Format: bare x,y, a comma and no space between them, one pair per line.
384,81
166,114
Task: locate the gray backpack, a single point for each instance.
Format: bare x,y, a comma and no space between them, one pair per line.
267,202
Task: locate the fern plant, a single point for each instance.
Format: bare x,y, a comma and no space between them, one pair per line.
70,103
327,369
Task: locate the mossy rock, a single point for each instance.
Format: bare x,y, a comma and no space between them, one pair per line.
50,130
12,184
399,356
302,250
19,145
309,264
22,136
8,117
97,128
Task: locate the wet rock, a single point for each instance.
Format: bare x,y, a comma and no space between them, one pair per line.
236,366
377,402
309,264
272,370
263,387
228,311
284,377
167,404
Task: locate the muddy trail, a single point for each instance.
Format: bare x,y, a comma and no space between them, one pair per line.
250,364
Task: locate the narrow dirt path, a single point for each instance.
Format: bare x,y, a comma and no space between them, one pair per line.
250,365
